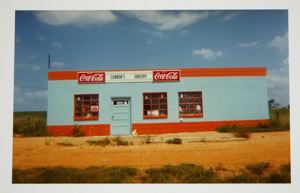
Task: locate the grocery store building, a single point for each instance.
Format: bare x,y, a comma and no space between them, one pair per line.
155,101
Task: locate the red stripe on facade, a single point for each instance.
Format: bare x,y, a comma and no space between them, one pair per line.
181,127
152,128
185,72
88,130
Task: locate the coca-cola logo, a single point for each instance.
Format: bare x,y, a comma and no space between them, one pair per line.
90,77
94,108
166,75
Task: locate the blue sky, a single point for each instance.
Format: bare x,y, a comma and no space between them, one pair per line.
147,39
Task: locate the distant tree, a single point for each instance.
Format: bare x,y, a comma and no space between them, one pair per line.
273,104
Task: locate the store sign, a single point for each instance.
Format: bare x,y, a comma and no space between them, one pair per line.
129,76
90,77
166,75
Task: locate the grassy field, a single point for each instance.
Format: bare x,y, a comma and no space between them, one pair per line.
174,161
262,172
30,123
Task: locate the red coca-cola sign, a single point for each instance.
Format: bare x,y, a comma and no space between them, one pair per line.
90,77
166,75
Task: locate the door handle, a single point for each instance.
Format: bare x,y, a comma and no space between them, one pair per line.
112,117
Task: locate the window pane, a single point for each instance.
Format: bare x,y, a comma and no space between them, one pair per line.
190,103
163,106
147,107
146,101
83,104
154,107
155,104
154,101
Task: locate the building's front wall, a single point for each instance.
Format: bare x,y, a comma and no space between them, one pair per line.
226,100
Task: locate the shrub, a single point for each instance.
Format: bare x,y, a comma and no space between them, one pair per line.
258,168
238,131
66,144
227,128
242,132
74,175
183,173
242,177
102,142
174,141
281,176
120,141
77,132
30,123
148,139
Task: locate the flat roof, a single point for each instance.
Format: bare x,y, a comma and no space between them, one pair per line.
184,72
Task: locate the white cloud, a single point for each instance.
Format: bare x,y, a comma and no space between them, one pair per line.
78,18
280,42
39,94
58,64
30,100
165,21
26,66
183,33
207,53
18,98
160,34
56,45
230,16
278,83
247,45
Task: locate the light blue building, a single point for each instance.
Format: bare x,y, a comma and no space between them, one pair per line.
120,102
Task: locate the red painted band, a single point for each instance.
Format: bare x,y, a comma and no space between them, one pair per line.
88,130
184,72
181,127
152,128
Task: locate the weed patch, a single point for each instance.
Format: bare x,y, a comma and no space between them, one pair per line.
258,168
119,141
65,144
174,141
101,142
183,173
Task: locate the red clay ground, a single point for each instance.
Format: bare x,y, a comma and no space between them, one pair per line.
273,147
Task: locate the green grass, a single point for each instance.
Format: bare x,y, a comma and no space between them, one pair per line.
174,141
279,121
65,144
258,168
73,175
101,142
30,123
182,173
119,141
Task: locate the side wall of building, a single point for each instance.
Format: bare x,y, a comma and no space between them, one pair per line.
225,99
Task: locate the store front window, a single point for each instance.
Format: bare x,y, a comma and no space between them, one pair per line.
86,107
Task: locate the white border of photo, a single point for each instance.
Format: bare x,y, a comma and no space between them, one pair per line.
7,36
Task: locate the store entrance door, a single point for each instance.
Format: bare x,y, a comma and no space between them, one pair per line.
121,117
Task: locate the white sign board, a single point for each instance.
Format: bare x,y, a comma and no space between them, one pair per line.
129,76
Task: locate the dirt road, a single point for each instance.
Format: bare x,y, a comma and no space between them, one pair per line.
273,147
